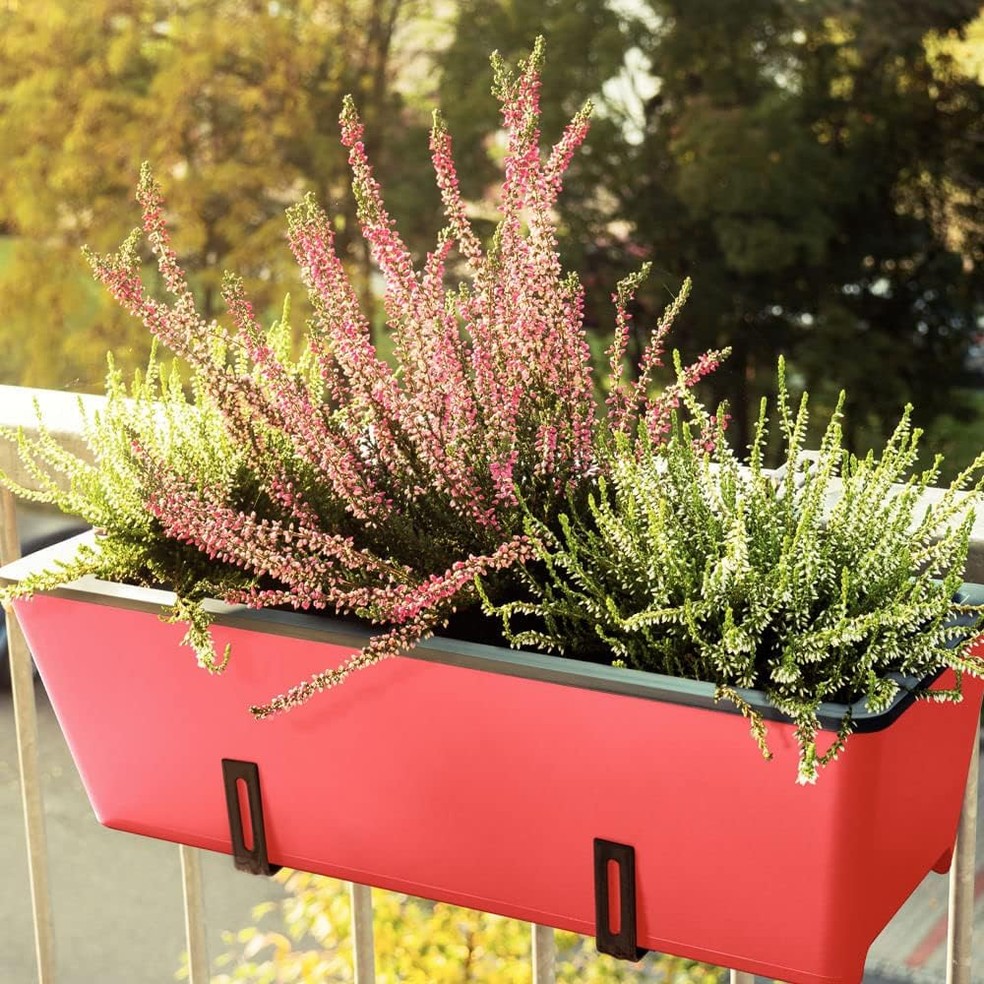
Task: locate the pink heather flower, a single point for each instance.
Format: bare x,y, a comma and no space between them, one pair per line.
152,203
387,489
561,155
658,410
391,643
415,613
447,182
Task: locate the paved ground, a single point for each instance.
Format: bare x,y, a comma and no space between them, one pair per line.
117,897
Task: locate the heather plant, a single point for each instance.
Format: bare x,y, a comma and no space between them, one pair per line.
111,492
823,581
342,481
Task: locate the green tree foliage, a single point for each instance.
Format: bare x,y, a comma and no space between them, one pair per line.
306,937
235,102
813,167
68,72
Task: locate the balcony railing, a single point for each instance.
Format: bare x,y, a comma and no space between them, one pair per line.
63,419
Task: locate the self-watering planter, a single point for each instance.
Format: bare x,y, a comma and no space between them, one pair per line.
515,783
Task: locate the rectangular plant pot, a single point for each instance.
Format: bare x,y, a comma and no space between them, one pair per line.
481,776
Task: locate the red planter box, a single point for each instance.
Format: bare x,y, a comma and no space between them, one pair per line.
481,776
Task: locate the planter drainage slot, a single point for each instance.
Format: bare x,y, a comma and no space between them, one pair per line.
615,900
249,851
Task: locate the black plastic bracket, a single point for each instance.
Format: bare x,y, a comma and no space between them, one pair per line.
251,859
621,944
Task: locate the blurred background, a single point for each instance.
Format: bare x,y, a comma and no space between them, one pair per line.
814,165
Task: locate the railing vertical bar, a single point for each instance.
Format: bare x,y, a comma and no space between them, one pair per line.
26,725
363,946
194,912
544,955
963,874
740,977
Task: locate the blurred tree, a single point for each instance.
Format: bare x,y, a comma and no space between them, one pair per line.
815,169
306,937
72,77
234,101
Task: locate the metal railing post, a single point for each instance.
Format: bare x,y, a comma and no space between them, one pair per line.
544,955
740,977
363,945
963,874
194,913
26,724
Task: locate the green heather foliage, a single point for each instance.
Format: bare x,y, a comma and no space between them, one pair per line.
815,582
111,494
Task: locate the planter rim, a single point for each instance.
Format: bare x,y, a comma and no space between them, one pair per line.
472,655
